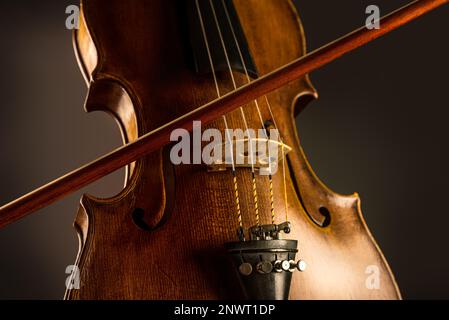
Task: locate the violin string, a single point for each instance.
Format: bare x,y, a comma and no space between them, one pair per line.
263,126
284,158
250,142
284,164
235,182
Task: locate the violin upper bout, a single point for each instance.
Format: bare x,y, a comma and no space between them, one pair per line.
85,49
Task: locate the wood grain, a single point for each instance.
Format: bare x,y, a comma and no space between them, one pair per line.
155,139
191,209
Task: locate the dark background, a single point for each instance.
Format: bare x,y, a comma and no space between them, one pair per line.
379,128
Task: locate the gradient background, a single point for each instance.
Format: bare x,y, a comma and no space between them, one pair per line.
379,128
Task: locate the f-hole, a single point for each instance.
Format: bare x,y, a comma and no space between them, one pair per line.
322,210
138,218
327,216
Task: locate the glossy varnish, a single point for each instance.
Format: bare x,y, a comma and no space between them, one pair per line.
135,59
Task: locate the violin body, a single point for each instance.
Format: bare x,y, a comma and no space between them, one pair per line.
163,236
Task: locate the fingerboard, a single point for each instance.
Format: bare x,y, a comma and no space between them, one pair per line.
202,20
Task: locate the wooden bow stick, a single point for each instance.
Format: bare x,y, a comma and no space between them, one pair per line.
156,139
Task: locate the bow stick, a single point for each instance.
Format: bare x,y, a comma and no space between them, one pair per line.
156,139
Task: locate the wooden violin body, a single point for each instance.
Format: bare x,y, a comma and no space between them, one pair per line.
162,237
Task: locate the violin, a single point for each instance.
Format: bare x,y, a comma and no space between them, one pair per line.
219,199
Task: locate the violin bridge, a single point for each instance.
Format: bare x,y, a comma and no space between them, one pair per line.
261,154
